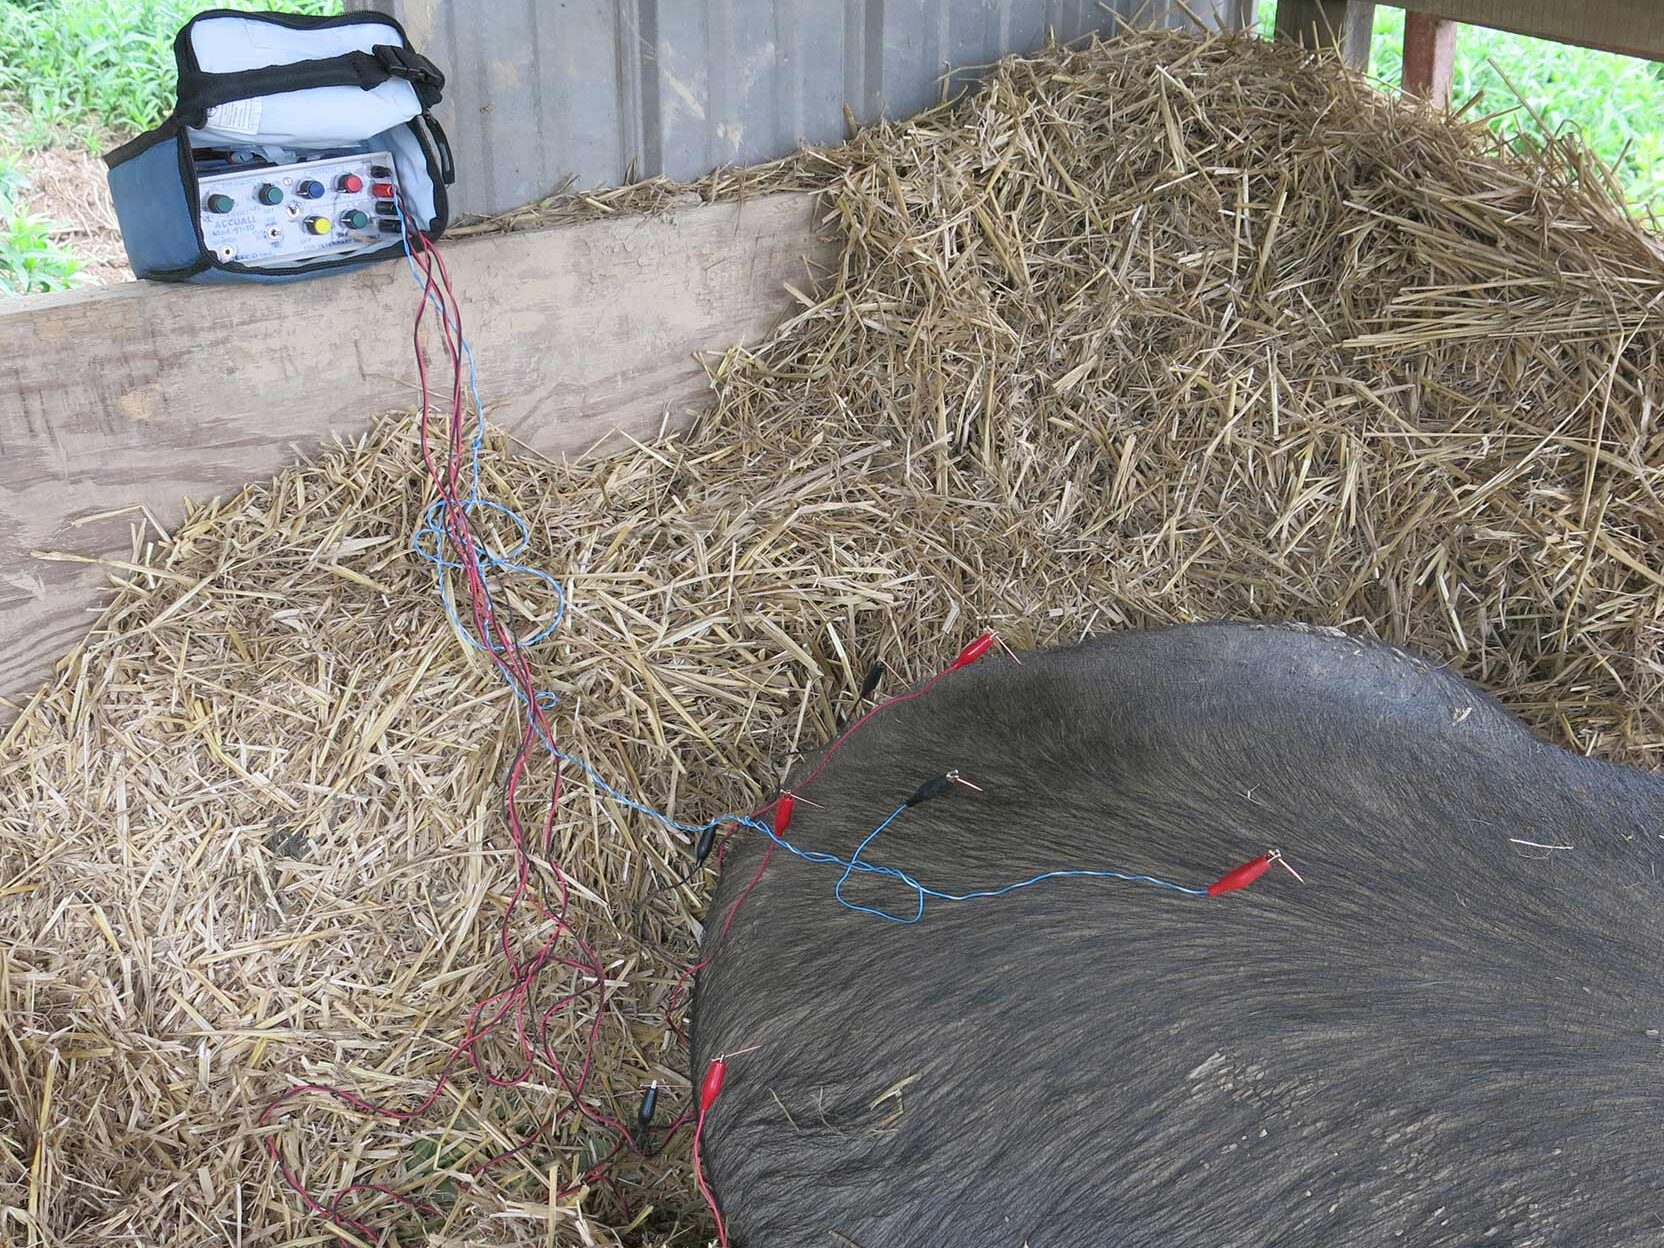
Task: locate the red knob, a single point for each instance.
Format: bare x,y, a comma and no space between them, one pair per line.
382,190
351,183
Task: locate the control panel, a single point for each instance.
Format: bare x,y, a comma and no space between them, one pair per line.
260,213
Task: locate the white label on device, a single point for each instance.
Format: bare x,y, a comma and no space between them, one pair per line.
237,117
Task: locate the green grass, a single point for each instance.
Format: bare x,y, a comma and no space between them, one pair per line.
1615,102
93,68
29,260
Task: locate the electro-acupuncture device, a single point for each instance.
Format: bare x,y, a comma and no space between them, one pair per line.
258,212
297,146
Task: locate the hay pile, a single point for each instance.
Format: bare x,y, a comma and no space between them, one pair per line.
1161,330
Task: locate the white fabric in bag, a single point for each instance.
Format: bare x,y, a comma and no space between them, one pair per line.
320,117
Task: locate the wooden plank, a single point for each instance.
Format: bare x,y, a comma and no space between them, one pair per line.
1429,57
1346,24
1632,27
144,395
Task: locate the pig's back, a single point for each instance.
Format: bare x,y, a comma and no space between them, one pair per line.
1447,1036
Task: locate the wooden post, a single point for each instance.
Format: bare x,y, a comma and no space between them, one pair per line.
1429,56
1346,24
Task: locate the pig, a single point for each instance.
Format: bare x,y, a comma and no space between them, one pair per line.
1447,1035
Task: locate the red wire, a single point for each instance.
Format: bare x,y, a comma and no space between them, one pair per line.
704,1187
716,945
512,1004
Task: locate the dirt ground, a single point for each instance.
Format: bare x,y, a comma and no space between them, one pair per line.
66,185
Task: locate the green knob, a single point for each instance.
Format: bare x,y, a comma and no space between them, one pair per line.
220,203
355,219
270,195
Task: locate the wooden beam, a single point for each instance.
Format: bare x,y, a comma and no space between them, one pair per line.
144,395
1429,57
1343,24
1632,27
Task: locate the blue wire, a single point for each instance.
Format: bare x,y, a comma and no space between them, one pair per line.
428,542
430,537
855,863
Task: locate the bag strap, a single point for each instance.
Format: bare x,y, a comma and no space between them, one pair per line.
442,149
351,69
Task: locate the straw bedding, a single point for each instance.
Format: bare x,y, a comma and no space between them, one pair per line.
1163,329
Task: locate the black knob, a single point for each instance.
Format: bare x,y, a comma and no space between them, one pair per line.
270,195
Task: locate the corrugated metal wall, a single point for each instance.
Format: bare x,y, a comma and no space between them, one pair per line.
607,90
